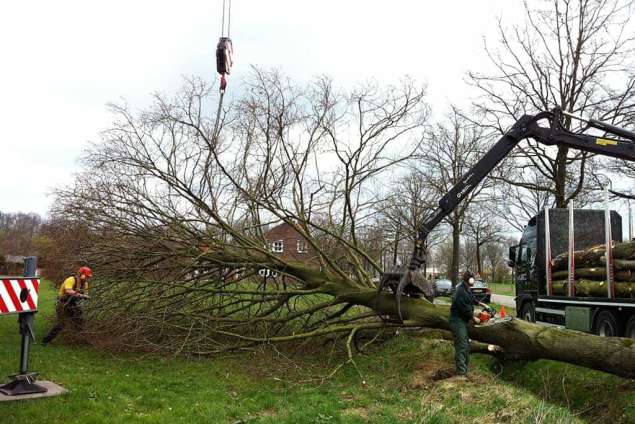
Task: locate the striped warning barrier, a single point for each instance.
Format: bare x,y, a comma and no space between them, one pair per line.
18,295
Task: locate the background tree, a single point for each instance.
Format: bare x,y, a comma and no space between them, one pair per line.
451,149
410,202
17,231
481,227
495,256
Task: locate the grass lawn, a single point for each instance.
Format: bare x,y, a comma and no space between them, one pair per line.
504,289
397,385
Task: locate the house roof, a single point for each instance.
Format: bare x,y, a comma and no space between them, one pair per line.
14,259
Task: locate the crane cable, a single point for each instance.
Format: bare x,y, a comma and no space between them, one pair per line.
224,61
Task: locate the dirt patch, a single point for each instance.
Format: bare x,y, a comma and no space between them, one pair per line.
357,412
268,413
406,415
442,374
429,372
347,396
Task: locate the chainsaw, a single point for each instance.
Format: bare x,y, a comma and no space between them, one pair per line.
488,316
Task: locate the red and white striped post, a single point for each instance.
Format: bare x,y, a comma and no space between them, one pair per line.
571,279
610,270
10,295
548,271
20,296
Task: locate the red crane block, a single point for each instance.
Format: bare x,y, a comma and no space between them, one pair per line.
19,295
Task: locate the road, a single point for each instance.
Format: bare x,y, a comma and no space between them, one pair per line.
508,301
501,299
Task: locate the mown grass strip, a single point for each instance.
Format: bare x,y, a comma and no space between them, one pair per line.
277,386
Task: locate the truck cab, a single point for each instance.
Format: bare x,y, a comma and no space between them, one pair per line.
522,259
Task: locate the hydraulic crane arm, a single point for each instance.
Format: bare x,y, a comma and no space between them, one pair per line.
526,127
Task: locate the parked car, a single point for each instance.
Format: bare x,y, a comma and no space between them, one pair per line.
442,287
481,291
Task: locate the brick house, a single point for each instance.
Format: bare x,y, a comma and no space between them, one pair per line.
284,241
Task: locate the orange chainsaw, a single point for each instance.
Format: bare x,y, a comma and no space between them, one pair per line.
486,314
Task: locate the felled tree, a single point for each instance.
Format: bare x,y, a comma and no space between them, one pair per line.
177,219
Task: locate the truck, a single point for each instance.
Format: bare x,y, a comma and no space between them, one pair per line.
546,128
600,315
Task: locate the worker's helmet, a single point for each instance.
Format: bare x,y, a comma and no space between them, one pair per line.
86,271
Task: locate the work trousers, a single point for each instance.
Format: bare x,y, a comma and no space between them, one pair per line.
67,311
461,344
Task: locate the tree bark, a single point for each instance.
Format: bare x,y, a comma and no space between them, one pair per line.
560,176
479,265
395,249
456,240
518,339
623,289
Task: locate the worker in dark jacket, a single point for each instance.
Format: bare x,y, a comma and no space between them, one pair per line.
461,314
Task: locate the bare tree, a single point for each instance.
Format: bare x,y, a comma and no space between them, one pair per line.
17,232
452,148
495,256
481,227
176,214
402,213
569,53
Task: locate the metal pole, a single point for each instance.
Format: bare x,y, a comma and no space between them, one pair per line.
24,382
30,266
630,222
571,280
26,320
610,283
548,254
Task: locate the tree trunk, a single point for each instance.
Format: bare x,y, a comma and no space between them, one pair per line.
479,265
560,177
424,266
623,289
456,240
595,274
395,249
518,339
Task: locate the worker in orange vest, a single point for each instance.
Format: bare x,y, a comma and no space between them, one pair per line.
67,308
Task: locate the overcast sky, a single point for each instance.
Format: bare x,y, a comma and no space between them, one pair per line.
63,61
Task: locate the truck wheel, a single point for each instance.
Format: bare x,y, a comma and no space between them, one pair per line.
606,324
630,327
527,312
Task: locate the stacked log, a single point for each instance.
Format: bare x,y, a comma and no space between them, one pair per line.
590,271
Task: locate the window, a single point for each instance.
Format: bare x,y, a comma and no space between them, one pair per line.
277,246
302,246
264,272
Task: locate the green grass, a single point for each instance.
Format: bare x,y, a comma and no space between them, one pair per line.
504,289
277,386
